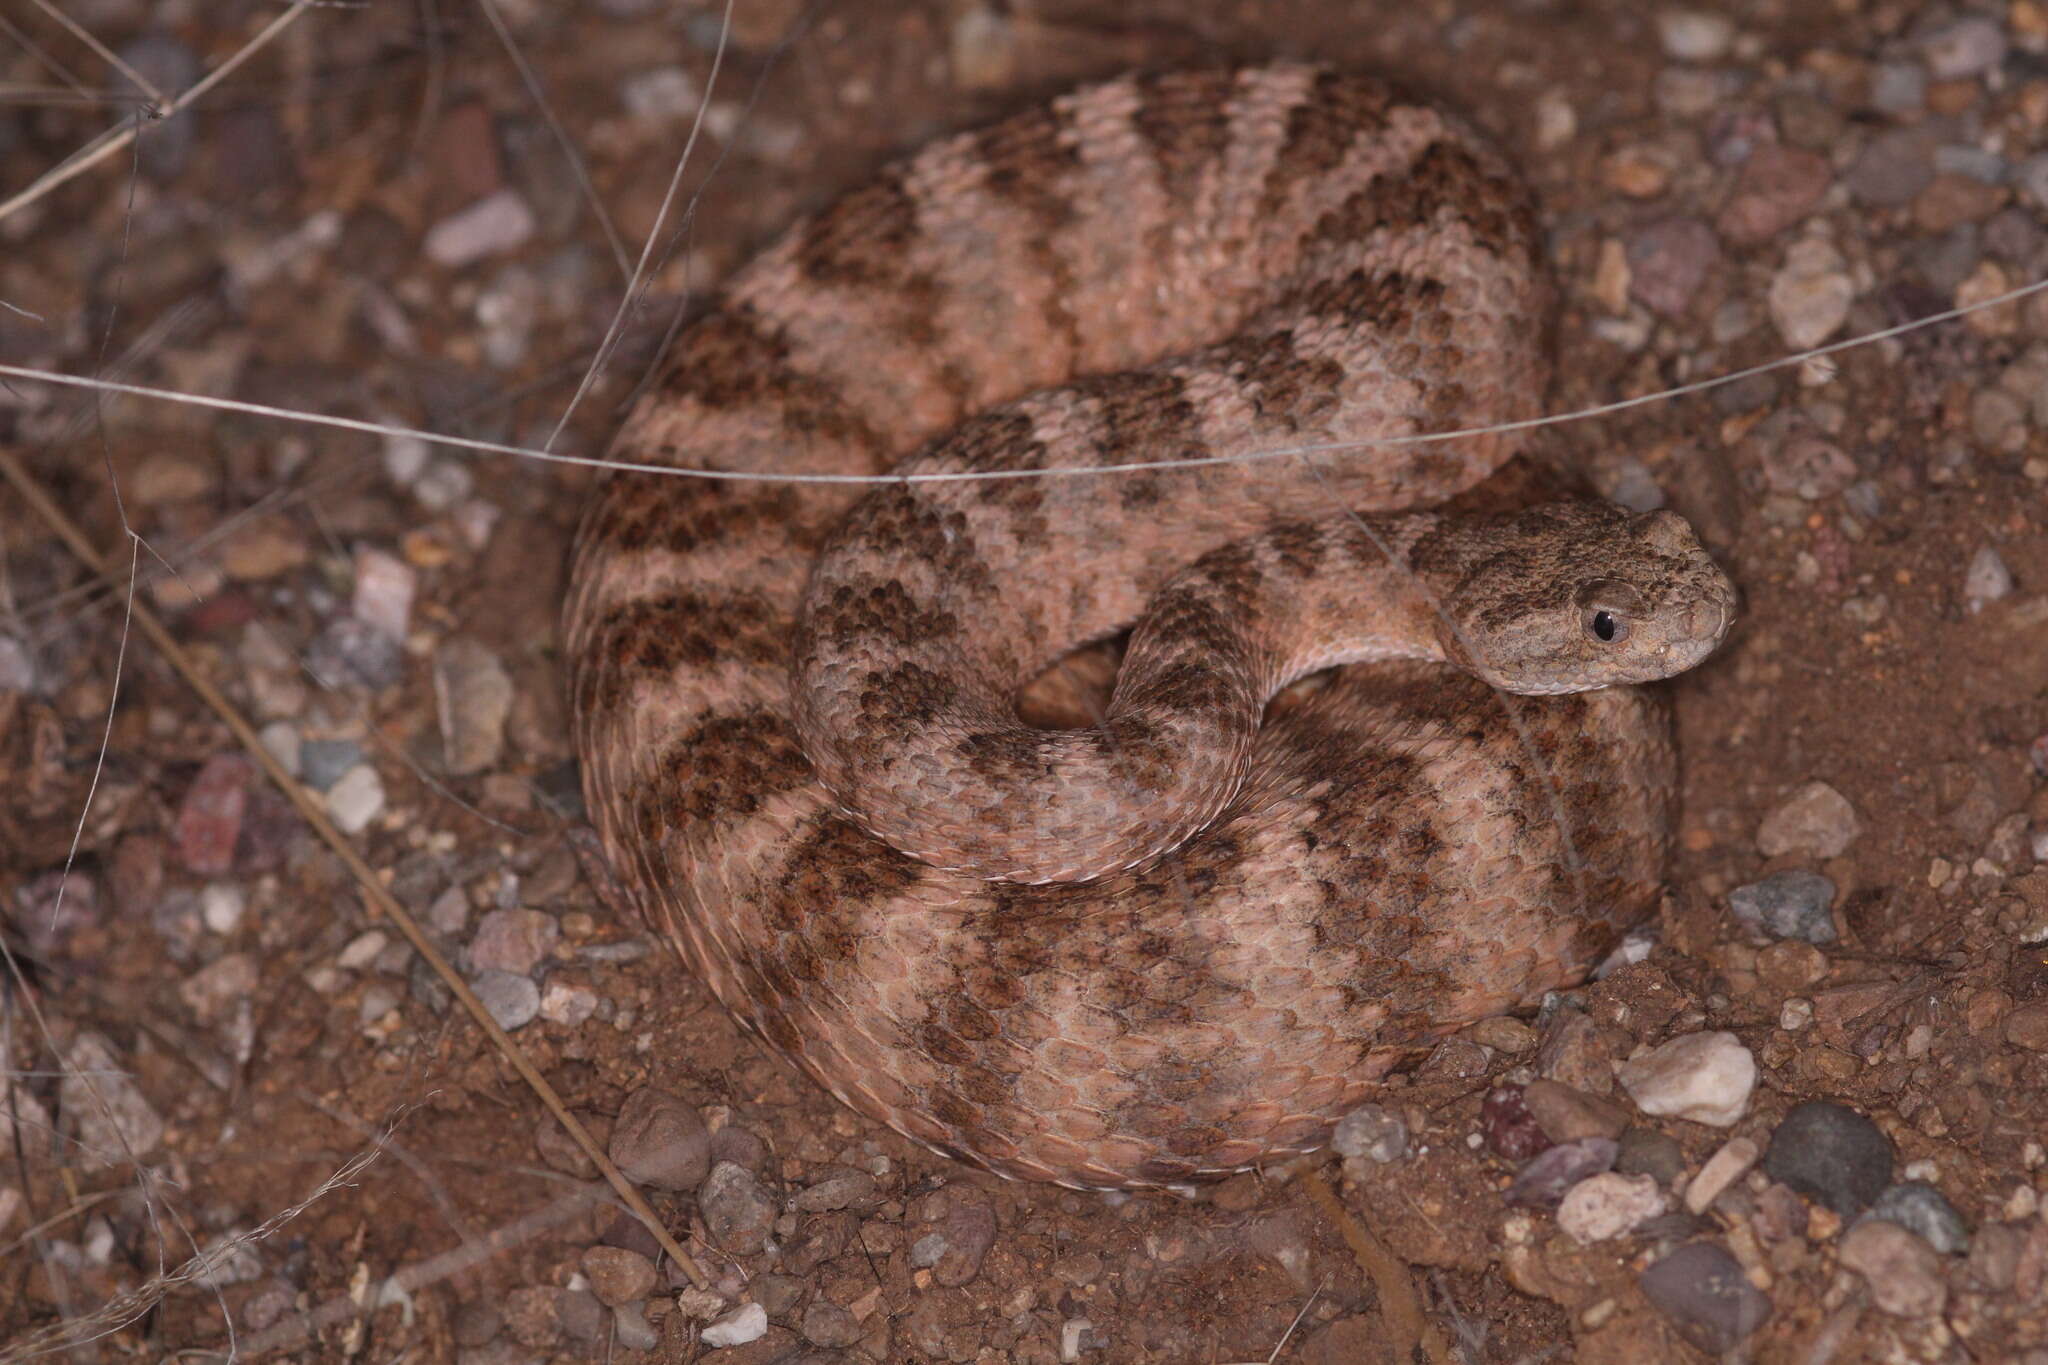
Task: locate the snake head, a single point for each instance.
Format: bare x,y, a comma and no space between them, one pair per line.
1572,596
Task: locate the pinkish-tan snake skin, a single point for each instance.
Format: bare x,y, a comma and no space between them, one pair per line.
1106,968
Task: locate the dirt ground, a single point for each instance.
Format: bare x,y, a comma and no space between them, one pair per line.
374,218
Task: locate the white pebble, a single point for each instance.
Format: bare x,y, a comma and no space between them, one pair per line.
1810,297
221,906
1608,1205
1692,35
281,740
1987,579
356,798
748,1322
1705,1077
495,223
384,591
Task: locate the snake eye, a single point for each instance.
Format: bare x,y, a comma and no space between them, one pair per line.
1605,609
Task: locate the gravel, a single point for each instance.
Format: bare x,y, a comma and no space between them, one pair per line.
659,1139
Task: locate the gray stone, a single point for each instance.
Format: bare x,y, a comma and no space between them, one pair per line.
1702,1290
1967,47
1920,1209
114,1122
827,1324
1899,87
1893,168
510,999
737,1211
1830,1153
1794,904
1645,1151
636,1333
659,1139
1371,1131
1542,1183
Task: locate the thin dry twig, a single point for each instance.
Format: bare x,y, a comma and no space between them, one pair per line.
1399,1305
103,52
114,139
201,1267
577,167
373,890
1428,438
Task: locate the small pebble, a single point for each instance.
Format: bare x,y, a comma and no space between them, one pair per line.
635,1332
969,1227
827,1324
776,1293
1566,1114
737,1211
1723,1169
1645,1151
1788,905
511,1000
1608,1205
1986,580
1371,1131
1668,262
514,941
748,1322
1512,1132
1904,1273
845,1190
1816,821
659,1139
473,696
1893,168
2027,1026
210,816
581,1315
666,94
350,653
356,798
281,741
17,669
112,1119
1543,1182
1920,1208
617,1275
1809,297
1705,1077
497,223
384,590
1779,186
1702,1290
323,761
567,1005
1899,87
1692,35
221,906
1967,47
1832,1154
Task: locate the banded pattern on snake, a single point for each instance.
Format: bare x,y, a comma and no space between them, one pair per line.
1161,978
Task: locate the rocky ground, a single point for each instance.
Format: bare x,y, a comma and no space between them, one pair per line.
1801,1120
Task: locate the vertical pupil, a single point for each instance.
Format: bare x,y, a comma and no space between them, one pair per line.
1603,625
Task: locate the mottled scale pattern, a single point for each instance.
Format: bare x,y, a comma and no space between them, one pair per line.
1158,267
